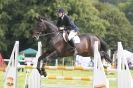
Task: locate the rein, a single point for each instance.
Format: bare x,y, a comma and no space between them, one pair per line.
40,34
47,34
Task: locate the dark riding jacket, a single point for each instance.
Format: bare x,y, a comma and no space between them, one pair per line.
66,23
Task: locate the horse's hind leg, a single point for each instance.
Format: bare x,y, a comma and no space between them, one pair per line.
105,56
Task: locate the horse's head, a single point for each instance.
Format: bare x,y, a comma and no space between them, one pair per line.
40,27
43,26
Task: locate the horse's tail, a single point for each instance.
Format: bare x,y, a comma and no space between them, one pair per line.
104,46
103,51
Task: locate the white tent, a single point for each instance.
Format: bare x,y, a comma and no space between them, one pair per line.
83,61
128,54
129,57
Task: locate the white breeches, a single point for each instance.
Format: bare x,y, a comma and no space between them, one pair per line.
72,35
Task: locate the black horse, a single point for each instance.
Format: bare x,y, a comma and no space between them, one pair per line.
57,47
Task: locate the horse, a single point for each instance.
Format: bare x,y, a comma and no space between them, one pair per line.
58,47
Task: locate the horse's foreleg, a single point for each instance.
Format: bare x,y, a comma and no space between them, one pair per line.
51,56
39,64
43,72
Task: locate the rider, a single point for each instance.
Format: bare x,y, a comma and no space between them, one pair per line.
64,23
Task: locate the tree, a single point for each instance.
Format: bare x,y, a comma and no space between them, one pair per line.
127,8
120,29
105,20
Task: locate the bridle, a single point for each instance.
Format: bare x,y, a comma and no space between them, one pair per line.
40,33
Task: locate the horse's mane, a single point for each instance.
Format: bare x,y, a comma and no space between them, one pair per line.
48,21
51,24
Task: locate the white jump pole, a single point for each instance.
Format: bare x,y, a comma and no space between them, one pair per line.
35,78
124,77
99,77
11,70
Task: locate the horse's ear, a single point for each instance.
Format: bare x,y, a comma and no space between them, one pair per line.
44,18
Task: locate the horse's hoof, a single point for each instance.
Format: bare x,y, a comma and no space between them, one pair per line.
43,72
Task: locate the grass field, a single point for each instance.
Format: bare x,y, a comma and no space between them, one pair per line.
45,82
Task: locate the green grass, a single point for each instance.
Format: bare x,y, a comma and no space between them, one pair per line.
1,80
69,73
77,73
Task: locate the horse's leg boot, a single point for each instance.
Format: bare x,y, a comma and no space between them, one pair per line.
43,71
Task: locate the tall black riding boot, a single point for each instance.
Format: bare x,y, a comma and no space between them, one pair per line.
76,49
71,43
75,45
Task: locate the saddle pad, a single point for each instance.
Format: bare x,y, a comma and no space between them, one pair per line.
76,39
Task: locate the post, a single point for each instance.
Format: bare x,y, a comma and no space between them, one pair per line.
56,62
11,70
63,61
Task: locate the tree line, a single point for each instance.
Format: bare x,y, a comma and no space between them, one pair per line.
110,19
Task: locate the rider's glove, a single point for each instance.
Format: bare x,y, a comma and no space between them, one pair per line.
61,28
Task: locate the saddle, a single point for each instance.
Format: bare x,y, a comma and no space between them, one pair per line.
65,37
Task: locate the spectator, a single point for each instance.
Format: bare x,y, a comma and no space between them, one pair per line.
20,58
